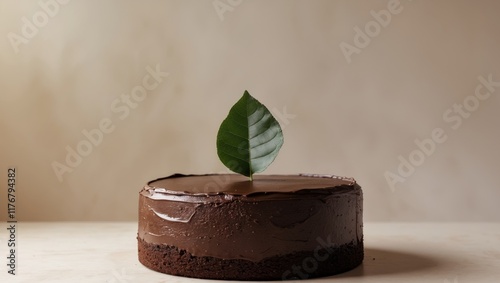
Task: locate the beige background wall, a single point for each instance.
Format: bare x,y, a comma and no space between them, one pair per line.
347,118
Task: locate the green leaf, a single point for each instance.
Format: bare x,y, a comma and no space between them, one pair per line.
249,138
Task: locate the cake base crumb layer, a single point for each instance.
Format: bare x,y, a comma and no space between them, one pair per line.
299,265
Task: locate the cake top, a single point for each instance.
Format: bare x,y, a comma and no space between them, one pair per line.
238,185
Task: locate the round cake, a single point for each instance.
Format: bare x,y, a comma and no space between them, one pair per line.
276,227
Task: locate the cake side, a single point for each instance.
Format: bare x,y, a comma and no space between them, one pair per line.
298,265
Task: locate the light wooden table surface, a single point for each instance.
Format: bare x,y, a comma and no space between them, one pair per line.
394,252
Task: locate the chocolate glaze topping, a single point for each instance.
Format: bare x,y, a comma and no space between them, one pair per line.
229,217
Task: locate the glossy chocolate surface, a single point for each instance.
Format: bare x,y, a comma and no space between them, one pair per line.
229,217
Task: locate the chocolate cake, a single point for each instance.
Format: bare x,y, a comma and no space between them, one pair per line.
276,227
